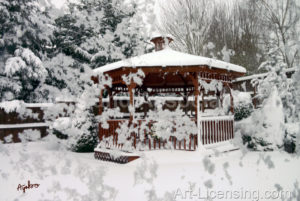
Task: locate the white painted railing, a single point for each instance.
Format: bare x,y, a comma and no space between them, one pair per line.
216,129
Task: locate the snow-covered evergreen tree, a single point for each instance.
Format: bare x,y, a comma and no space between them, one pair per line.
24,72
278,111
277,77
89,34
98,32
24,35
80,127
296,82
24,24
66,80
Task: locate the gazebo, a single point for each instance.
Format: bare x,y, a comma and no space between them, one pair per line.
173,75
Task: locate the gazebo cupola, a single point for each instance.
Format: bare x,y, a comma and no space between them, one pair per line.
161,42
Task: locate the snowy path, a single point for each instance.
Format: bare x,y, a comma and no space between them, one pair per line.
72,176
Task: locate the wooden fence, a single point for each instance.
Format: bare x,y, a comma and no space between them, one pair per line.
12,123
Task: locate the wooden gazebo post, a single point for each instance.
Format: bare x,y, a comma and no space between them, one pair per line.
197,109
101,102
231,99
254,99
131,87
231,102
100,110
222,96
111,98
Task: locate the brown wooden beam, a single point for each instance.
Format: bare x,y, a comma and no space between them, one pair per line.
111,98
195,81
202,103
254,99
131,86
100,102
231,98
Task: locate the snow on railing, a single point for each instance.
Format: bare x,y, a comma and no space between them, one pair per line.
142,140
224,117
214,129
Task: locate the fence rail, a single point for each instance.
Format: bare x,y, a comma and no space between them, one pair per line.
13,123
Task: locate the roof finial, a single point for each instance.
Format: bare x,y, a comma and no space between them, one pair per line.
161,42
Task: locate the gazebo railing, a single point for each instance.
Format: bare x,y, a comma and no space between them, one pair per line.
149,142
214,129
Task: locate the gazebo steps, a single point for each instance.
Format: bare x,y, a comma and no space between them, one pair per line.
114,156
123,157
220,147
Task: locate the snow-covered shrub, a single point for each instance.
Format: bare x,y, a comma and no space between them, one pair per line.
242,102
264,129
242,111
77,124
242,105
289,144
59,127
79,132
88,140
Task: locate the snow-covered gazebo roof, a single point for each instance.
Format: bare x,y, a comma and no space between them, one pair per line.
170,58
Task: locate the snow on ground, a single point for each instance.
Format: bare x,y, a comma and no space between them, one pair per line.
158,175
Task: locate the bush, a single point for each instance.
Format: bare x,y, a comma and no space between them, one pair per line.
88,139
79,132
86,143
256,144
289,142
289,145
242,111
59,134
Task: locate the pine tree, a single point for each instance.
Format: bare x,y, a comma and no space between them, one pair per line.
276,92
23,24
66,79
276,67
98,32
26,71
24,37
296,83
